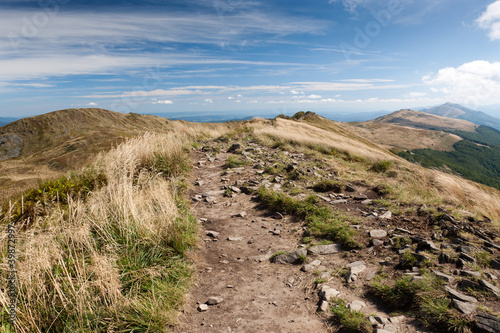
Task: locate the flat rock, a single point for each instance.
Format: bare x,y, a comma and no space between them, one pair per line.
241,214
289,258
427,245
355,268
386,215
212,233
323,198
377,242
214,300
202,307
473,274
337,202
360,197
489,286
234,239
378,233
458,295
487,323
325,249
445,277
464,307
467,257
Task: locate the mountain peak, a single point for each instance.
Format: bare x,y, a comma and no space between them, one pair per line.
457,111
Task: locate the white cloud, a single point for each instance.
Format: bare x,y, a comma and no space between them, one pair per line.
351,5
314,96
490,20
163,101
415,94
476,82
209,100
230,97
92,104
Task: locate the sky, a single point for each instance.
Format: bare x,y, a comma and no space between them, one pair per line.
247,56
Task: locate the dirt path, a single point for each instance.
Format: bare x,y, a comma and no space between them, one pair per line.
258,296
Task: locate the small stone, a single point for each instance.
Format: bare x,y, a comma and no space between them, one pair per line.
214,300
276,231
202,307
327,293
212,233
323,306
234,239
466,257
378,233
340,201
377,242
234,147
311,266
241,214
360,197
386,215
356,305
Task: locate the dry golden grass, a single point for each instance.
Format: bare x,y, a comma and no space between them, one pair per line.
85,267
410,183
403,137
425,120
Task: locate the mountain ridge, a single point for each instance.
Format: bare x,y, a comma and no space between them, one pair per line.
458,111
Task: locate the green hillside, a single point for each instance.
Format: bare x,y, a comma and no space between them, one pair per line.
477,157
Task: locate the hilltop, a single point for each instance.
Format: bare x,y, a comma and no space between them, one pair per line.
424,120
293,223
460,112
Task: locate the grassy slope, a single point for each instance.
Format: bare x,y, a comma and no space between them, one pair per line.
66,140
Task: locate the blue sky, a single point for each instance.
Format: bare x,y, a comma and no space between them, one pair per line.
247,56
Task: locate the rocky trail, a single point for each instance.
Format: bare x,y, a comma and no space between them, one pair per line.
254,272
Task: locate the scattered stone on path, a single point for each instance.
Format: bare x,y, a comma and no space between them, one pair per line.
214,300
241,214
234,239
289,258
377,242
325,249
360,197
323,306
327,293
378,233
311,266
199,182
202,307
354,269
277,216
356,305
276,231
212,233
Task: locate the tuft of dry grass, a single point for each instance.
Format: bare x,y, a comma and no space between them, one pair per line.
115,259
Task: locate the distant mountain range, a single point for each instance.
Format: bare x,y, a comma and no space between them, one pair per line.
460,112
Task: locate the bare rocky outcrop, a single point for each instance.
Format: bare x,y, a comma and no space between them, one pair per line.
11,146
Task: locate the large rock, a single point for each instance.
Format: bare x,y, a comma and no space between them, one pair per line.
327,293
325,249
486,323
464,307
444,277
289,258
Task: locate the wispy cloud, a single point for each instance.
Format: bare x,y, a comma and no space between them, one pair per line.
490,20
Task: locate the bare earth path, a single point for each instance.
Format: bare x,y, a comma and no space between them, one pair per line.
257,296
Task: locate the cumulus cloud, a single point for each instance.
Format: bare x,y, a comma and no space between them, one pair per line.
163,101
314,96
490,20
209,100
92,104
476,82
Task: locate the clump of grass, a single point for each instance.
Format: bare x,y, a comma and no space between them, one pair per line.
381,166
275,169
484,259
323,222
400,242
408,260
328,185
351,320
110,259
424,297
235,162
